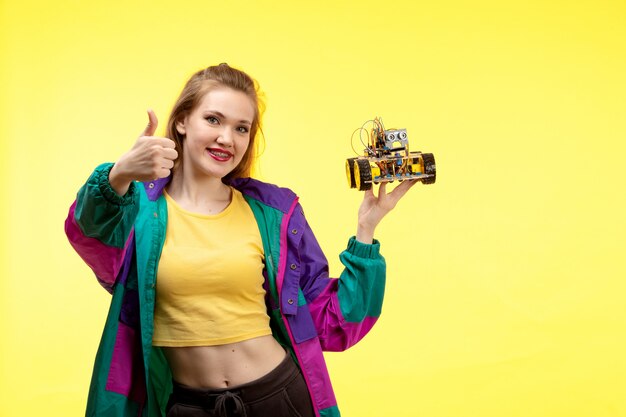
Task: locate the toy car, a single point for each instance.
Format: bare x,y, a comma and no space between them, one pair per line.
387,159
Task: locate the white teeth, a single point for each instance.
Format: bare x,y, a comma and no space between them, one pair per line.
220,154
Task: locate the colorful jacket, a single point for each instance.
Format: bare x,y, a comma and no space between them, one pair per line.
121,239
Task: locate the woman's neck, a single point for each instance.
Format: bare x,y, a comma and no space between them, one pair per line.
199,194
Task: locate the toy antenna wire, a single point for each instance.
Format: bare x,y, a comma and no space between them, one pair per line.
377,131
368,146
365,142
358,129
369,142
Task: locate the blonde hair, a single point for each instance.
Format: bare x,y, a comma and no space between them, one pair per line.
200,83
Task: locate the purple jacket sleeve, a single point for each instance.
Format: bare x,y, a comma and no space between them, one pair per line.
344,309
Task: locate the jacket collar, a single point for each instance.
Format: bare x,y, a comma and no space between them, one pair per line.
268,194
154,189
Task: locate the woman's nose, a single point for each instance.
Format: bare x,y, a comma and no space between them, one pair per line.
225,137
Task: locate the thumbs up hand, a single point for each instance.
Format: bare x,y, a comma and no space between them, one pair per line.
150,158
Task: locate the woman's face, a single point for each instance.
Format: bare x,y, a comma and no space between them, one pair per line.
217,132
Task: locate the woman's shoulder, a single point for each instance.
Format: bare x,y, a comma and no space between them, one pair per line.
281,198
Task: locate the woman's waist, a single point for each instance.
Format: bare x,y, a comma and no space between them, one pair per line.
225,365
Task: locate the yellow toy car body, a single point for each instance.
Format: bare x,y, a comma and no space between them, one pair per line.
387,158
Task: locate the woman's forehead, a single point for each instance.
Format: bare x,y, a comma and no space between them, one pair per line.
231,104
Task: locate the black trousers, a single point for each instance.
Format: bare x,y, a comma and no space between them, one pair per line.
280,393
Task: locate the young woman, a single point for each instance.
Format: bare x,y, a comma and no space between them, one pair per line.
222,303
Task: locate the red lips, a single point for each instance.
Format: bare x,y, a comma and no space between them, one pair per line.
219,154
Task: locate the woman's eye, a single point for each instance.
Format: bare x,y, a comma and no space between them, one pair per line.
242,129
212,120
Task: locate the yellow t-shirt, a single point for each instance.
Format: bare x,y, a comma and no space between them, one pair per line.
209,288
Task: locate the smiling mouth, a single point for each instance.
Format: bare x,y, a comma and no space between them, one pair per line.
219,154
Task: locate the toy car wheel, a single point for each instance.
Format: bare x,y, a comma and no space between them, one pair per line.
350,172
429,168
363,174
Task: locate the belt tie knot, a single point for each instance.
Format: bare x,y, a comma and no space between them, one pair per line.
229,401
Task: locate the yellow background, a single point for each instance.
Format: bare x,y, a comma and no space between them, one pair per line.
506,289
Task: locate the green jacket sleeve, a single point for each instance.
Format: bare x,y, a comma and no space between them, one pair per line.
101,213
99,225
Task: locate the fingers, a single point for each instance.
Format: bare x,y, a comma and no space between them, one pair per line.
162,152
394,195
170,153
164,157
382,190
402,189
163,142
162,168
153,122
167,163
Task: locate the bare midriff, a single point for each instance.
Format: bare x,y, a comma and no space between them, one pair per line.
223,366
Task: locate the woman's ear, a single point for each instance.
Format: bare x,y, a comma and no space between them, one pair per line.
180,127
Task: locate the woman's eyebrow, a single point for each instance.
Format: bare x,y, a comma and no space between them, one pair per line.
224,117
